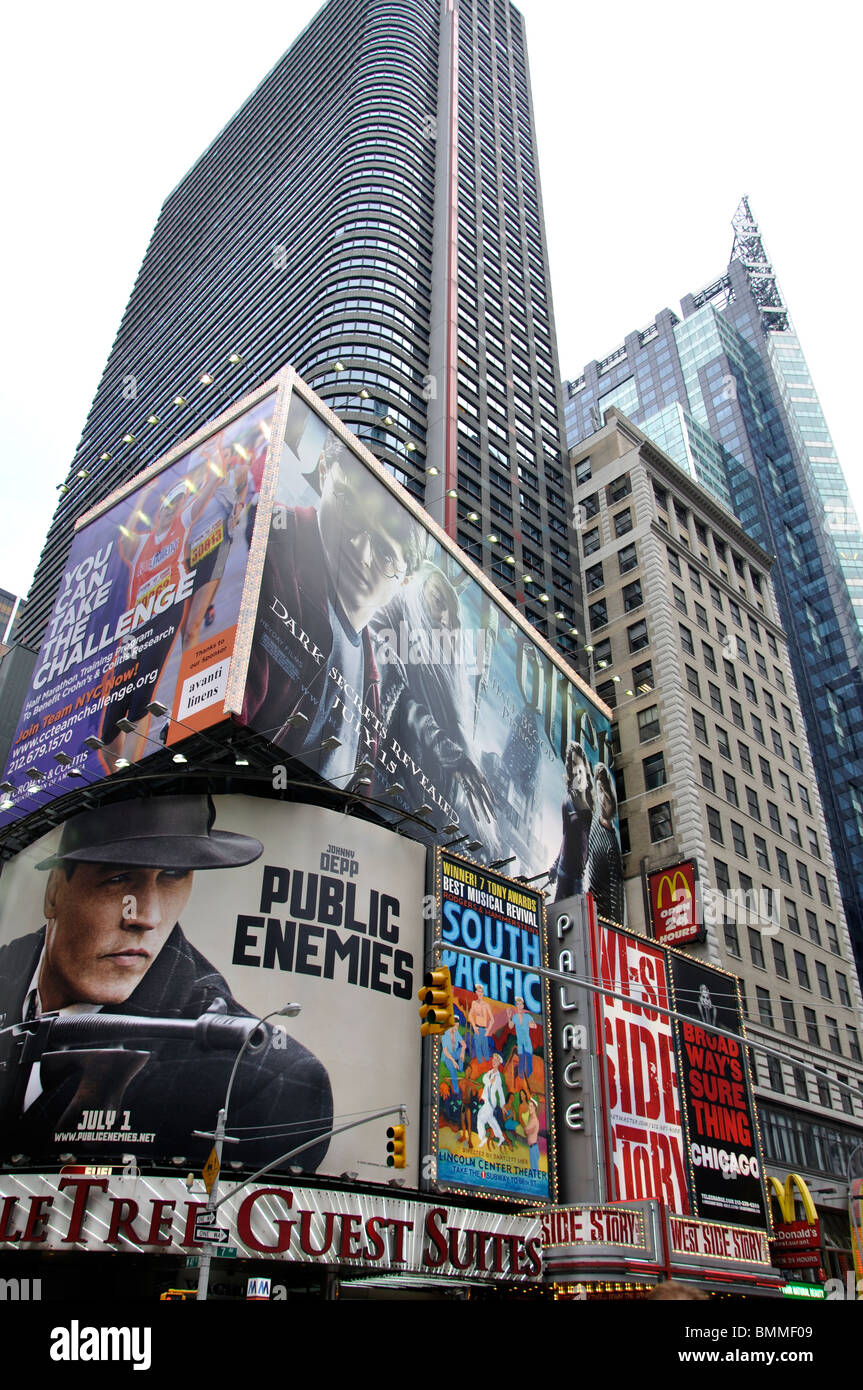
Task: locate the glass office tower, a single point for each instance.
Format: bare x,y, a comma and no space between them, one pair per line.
725,389
373,216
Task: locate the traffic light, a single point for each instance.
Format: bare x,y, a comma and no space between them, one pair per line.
396,1147
436,1002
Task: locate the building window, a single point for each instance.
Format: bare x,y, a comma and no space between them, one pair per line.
739,839
774,1066
833,938
812,924
707,778
732,940
723,878
714,825
659,818
598,615
602,653
686,640
789,1019
823,980
623,523
701,616
692,682
642,677
782,862
648,723
765,1010
730,673
791,915
842,986
773,817
794,831
737,713
673,562
679,597
594,578
590,541
756,947
766,774
700,726
757,728
618,489
853,1043
637,635
802,967
745,758
752,803
632,596
780,964
833,1035
654,771
582,471
811,1020
730,789
715,698
627,558
821,881
709,658
722,743
803,875
777,743
761,856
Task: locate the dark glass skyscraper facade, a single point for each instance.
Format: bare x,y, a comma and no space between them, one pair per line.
724,390
371,215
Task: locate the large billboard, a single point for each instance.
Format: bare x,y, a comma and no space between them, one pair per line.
491,1123
146,611
381,659
722,1151
137,942
644,1123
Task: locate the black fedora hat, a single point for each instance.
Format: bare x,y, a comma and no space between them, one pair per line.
161,832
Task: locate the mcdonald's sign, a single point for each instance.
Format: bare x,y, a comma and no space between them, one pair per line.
674,903
795,1244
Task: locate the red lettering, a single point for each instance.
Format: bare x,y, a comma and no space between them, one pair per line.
348,1250
123,1213
36,1217
83,1188
9,1205
436,1221
163,1214
283,1228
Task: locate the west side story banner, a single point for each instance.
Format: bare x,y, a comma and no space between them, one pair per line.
325,915
492,1126
146,611
379,660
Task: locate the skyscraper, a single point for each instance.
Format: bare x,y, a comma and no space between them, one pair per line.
372,215
724,390
714,772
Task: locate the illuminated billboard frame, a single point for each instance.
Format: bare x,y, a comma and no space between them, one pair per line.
490,1075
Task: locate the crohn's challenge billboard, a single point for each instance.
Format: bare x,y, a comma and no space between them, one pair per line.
381,659
146,611
137,947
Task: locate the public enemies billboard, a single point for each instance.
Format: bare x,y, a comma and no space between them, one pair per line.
723,1149
644,1123
146,611
139,944
383,660
491,1122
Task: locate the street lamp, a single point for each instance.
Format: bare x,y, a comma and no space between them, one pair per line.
286,1011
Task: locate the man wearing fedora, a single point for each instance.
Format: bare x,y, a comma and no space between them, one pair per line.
112,942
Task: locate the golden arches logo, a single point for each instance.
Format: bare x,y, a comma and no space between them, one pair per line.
785,1197
675,883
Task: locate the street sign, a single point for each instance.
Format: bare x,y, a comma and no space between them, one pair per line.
211,1169
215,1235
205,1218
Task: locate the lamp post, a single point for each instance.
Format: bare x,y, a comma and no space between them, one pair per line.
286,1011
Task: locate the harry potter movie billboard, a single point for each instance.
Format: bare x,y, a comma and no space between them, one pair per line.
139,945
383,660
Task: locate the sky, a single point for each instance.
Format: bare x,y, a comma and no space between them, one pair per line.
652,122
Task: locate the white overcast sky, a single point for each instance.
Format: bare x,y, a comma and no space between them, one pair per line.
653,119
